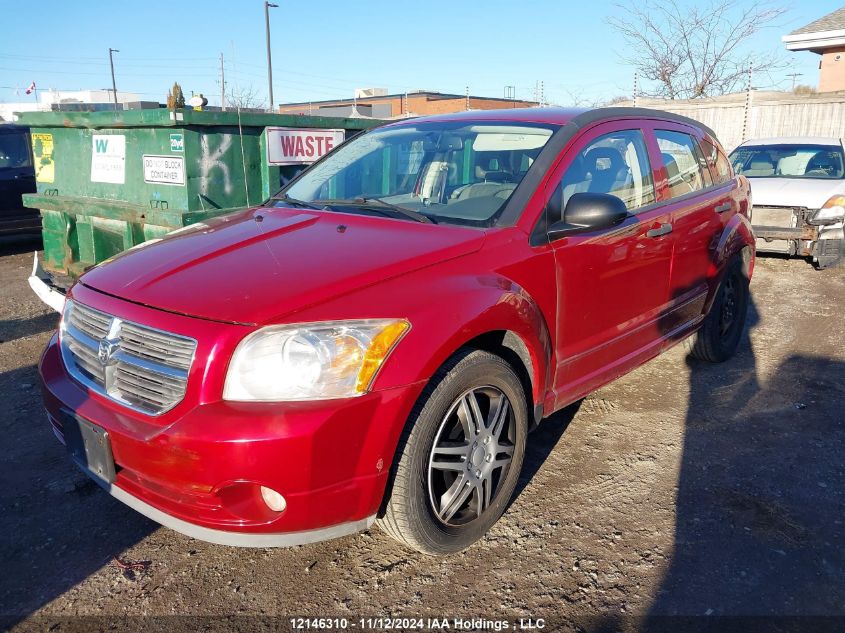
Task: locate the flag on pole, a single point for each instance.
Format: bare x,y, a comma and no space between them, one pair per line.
31,88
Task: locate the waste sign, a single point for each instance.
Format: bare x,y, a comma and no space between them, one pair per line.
286,146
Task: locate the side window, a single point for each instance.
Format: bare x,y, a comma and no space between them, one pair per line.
680,156
724,171
719,165
616,163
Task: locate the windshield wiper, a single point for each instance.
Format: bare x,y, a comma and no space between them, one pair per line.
377,204
298,203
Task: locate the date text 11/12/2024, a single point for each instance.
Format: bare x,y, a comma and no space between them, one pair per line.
420,624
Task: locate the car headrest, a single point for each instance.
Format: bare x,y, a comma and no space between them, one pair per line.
601,158
671,164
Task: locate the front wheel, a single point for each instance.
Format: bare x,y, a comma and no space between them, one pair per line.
460,457
718,338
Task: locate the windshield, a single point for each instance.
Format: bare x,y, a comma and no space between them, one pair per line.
789,161
451,172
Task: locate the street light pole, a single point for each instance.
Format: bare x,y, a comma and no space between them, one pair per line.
113,84
267,6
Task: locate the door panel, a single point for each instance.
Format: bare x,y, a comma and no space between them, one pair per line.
698,217
612,285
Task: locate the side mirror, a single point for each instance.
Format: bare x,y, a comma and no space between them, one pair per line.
589,212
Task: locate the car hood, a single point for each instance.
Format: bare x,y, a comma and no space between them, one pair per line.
794,192
258,265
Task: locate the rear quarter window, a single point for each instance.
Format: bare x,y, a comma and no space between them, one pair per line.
720,166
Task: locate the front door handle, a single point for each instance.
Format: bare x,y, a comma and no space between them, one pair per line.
663,229
725,206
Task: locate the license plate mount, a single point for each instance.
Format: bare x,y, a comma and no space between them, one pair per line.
89,446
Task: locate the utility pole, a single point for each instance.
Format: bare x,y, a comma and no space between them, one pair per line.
113,84
222,85
747,113
794,77
467,99
267,6
636,89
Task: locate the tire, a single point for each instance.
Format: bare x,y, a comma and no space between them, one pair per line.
718,338
433,502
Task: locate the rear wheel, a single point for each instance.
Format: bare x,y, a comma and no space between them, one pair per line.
460,457
718,338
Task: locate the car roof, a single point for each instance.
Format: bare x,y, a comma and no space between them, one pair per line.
793,140
557,116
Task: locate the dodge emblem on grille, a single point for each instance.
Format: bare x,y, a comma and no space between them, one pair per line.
106,350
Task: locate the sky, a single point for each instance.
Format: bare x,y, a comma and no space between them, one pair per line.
324,49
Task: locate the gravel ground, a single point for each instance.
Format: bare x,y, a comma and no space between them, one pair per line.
680,489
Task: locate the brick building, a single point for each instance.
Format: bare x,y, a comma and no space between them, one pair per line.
825,37
378,104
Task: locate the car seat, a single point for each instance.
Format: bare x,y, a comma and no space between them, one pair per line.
823,164
606,179
760,166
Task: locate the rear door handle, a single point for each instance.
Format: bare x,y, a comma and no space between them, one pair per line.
663,229
725,206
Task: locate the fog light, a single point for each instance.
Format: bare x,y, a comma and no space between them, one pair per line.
273,499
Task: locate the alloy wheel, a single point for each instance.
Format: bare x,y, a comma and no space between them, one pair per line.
471,454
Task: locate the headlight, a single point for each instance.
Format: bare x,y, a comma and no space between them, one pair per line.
832,211
311,361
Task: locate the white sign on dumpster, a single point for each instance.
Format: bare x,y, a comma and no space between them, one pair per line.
164,170
108,158
288,146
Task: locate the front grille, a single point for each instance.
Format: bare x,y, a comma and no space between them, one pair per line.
141,367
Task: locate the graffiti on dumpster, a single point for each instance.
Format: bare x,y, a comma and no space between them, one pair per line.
212,160
108,158
42,150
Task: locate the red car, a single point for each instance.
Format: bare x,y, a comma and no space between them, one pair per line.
374,343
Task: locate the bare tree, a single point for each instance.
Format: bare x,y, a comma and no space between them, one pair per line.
688,52
245,98
578,98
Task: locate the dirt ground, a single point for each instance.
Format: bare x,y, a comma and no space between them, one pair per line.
680,489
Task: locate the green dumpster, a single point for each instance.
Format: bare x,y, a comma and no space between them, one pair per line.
107,181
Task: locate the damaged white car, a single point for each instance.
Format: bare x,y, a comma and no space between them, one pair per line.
798,190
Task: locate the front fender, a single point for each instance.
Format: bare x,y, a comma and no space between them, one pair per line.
468,307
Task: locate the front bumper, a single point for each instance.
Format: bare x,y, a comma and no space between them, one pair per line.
199,471
787,230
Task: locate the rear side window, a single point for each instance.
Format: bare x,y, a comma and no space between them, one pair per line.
719,164
681,158
616,163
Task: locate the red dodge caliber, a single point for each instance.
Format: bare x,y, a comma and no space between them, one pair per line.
374,343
